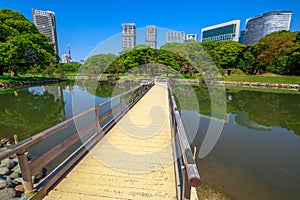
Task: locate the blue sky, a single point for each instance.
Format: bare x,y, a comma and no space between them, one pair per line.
86,24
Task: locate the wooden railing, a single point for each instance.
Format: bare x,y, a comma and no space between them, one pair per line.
189,175
30,167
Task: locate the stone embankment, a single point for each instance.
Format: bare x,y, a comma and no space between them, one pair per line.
258,84
10,175
242,84
28,83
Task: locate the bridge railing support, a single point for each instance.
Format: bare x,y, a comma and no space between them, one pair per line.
30,167
189,173
25,171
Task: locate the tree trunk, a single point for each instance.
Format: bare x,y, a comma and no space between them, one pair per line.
13,73
1,70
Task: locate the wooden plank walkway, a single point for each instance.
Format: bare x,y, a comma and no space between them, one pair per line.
133,161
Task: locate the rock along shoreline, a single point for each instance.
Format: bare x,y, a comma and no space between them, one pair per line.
29,83
243,84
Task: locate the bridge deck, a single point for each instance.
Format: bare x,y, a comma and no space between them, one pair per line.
133,161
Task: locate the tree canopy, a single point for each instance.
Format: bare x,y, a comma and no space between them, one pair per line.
21,44
98,63
279,53
127,60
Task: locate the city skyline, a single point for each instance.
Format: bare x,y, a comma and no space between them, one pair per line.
87,25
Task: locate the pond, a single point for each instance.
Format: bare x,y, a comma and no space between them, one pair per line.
257,154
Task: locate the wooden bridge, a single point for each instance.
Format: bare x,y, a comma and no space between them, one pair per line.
141,153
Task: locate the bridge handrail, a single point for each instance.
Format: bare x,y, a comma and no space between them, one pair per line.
28,167
190,168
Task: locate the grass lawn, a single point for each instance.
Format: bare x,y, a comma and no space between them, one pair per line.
263,79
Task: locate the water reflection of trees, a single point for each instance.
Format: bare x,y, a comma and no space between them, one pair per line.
252,109
26,112
105,90
268,109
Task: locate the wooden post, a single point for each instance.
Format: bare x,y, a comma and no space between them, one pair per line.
132,97
186,185
97,121
25,171
121,104
16,139
175,123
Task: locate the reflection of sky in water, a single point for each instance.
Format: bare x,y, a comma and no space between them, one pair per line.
79,100
78,95
36,90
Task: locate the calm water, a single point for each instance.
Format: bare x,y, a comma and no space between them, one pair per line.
256,157
28,111
258,153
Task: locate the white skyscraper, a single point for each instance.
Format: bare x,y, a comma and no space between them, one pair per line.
175,36
151,36
128,36
45,23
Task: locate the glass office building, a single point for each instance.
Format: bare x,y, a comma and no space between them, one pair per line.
242,37
259,26
222,32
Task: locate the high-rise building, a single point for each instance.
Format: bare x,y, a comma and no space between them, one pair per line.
151,36
128,36
222,32
175,36
65,58
261,25
191,38
69,54
45,23
242,37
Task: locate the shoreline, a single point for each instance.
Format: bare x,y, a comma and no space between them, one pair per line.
284,86
29,83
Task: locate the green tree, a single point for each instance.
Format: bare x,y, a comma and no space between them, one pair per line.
21,44
273,50
97,64
246,60
224,53
142,55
